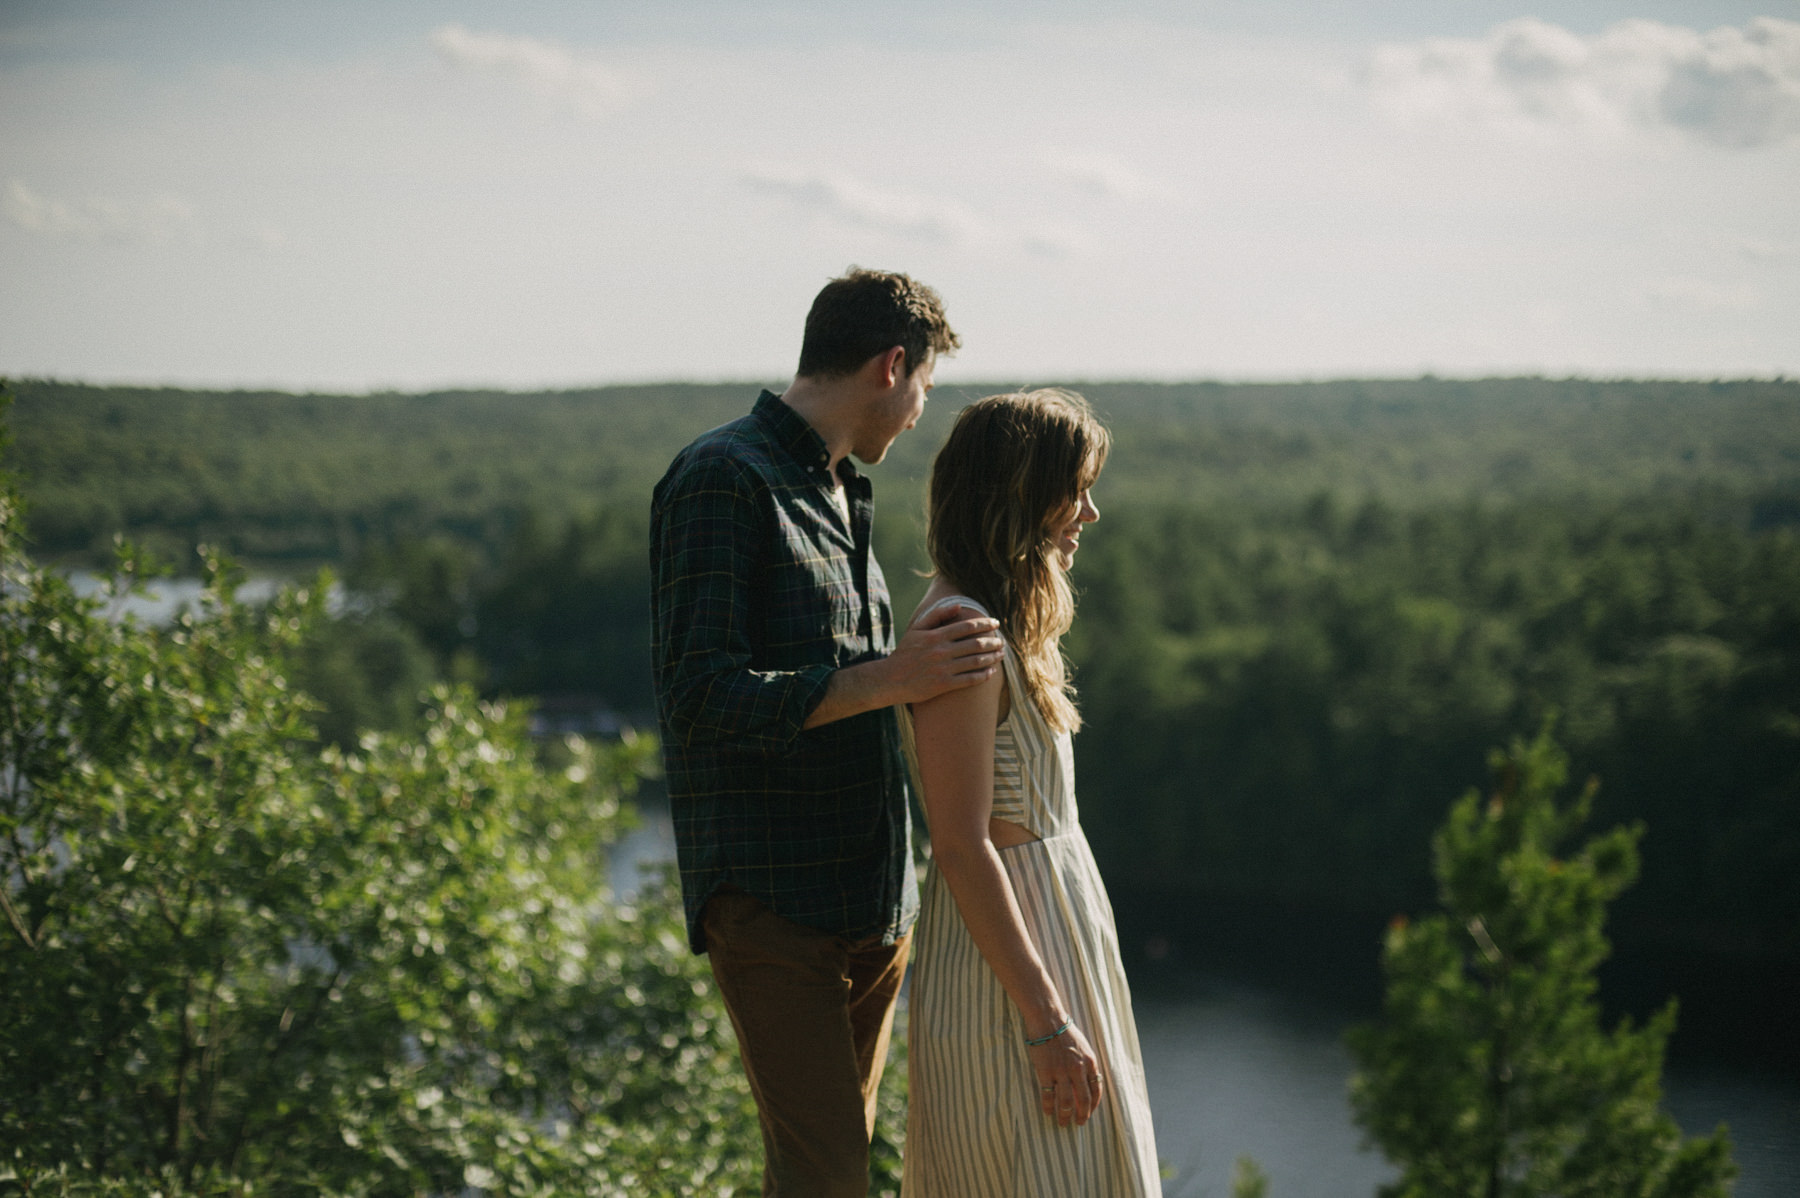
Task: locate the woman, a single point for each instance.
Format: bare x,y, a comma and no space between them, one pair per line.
1026,1079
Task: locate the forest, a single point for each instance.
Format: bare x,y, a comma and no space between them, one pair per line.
1308,612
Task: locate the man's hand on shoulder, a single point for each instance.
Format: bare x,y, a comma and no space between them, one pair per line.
947,648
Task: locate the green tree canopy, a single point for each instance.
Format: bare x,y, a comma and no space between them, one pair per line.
1489,1075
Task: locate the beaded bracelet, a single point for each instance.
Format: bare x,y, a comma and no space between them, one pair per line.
1067,1024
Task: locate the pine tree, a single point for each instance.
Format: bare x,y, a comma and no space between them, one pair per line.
1489,1074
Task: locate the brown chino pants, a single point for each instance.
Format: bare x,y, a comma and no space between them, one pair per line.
813,1013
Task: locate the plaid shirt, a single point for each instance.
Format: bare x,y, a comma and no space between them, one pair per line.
760,592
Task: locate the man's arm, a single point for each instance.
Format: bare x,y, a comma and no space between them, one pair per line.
707,538
949,648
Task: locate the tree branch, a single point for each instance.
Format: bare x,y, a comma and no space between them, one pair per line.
18,925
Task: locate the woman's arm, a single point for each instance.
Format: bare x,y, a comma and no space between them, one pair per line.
955,735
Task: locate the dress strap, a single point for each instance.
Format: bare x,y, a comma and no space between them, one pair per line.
957,601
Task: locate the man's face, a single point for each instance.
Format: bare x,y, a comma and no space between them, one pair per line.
894,412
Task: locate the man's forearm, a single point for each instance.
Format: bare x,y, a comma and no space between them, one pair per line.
943,652
853,690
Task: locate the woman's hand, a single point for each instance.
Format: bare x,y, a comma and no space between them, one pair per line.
1068,1073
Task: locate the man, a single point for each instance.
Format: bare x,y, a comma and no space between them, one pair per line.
777,672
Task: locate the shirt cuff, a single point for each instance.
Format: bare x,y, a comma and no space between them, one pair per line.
806,692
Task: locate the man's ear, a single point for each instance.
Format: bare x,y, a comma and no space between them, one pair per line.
892,365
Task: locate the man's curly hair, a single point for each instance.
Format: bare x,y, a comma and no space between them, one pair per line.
868,312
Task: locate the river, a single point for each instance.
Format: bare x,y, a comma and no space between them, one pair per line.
1240,1067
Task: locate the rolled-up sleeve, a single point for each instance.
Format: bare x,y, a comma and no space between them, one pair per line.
709,530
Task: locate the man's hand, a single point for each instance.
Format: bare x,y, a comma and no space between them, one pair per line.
947,648
950,647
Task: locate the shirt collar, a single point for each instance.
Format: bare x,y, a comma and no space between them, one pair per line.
791,431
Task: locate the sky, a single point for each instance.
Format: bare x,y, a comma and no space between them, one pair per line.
392,194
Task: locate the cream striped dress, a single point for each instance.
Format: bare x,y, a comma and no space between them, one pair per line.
974,1128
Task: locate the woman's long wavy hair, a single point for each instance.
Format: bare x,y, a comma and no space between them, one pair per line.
1007,479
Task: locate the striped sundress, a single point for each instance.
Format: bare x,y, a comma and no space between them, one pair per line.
974,1128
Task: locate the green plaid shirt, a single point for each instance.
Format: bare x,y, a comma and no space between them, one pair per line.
759,592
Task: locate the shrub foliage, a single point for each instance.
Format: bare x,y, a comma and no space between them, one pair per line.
235,962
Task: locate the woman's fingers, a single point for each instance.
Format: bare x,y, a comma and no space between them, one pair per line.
1070,1094
1056,1097
1068,1078
1075,1102
1069,1083
1081,1095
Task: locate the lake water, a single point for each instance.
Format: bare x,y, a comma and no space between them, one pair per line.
1237,1068
161,599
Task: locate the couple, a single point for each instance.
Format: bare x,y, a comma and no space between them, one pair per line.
783,691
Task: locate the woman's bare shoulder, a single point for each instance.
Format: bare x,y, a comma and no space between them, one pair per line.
994,692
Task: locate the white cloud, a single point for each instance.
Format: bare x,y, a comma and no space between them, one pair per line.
1699,293
905,214
101,218
1730,86
260,235
153,220
432,239
1105,176
550,70
1759,250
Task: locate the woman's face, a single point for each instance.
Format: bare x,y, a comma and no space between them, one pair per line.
1065,530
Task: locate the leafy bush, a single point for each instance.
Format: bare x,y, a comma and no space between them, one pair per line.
236,963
